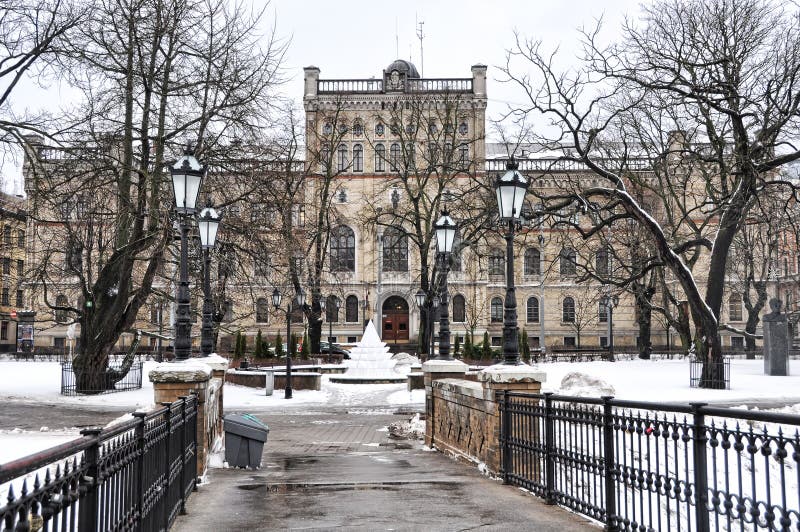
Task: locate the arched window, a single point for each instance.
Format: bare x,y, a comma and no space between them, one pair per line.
602,264
533,262
497,262
341,158
332,309
533,310
459,309
343,249
394,157
395,250
568,310
497,310
358,128
358,158
380,158
735,307
351,309
61,314
262,310
568,261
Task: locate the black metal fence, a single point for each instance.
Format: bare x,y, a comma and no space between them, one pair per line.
132,476
646,466
71,385
717,374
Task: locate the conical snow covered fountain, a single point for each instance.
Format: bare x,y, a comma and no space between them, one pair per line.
370,361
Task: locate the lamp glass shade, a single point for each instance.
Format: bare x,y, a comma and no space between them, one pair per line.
510,189
420,297
445,233
187,176
276,298
208,223
300,297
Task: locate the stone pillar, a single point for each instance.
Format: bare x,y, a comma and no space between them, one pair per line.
219,368
499,378
776,340
479,80
435,370
173,380
311,78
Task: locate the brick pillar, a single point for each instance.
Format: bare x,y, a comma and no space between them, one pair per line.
499,378
435,370
173,380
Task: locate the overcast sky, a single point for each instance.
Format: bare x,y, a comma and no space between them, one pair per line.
359,38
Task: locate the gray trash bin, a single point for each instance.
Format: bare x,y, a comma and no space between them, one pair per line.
244,440
269,380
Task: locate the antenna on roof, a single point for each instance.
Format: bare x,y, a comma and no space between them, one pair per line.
420,36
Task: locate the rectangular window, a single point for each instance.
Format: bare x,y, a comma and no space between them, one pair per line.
569,341
20,268
351,339
5,300
497,264
7,235
21,238
59,342
602,313
737,342
3,330
298,215
604,341
497,341
19,302
6,265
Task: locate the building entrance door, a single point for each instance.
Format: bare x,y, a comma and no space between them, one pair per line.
395,320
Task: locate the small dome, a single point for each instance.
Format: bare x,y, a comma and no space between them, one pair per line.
401,65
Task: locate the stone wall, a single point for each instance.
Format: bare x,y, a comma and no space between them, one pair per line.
464,417
257,379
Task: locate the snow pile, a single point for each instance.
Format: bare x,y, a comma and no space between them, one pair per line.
413,429
580,384
404,362
404,397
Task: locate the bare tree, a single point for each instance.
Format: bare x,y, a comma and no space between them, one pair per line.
722,72
152,74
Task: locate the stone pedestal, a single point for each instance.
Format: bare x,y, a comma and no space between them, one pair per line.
437,370
497,379
776,341
219,368
173,380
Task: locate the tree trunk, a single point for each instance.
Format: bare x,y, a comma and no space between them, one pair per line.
644,322
315,323
750,327
710,354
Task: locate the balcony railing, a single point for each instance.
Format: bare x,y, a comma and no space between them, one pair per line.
376,86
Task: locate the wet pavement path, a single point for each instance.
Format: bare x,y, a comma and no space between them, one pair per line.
339,470
33,416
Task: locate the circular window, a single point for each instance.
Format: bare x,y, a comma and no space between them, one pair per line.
379,129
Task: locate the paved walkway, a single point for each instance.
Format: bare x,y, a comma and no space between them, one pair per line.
339,470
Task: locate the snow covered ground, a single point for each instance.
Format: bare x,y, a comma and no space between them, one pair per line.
668,381
657,380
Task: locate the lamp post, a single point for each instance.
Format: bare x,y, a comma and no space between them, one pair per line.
610,304
445,229
300,299
208,223
187,176
420,299
510,189
542,347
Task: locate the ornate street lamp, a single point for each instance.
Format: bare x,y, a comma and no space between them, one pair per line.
208,224
510,189
610,303
300,299
445,229
187,177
